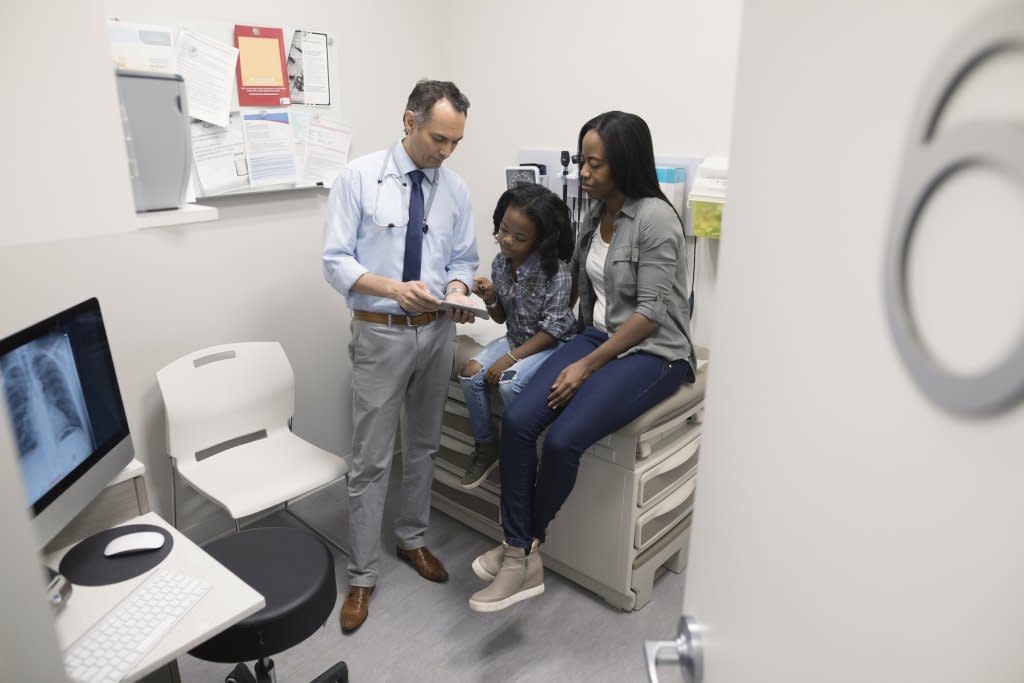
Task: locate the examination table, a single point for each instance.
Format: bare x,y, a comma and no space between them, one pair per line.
628,517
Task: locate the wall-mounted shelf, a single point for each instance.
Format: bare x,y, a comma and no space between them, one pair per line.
190,213
268,190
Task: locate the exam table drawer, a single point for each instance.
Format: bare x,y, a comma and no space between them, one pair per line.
455,452
658,481
456,418
654,523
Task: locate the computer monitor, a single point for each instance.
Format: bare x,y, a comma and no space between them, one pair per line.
66,414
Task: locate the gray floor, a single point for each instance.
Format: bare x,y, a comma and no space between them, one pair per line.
422,631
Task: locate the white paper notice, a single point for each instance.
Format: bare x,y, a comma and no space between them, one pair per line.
314,69
301,118
141,47
269,147
307,69
327,145
208,67
220,156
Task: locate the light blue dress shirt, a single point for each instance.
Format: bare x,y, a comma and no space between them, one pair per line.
356,243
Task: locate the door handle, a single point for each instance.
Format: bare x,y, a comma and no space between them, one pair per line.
687,650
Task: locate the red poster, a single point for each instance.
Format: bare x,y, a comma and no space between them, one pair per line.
260,74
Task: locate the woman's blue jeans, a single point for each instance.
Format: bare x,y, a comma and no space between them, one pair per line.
511,382
615,395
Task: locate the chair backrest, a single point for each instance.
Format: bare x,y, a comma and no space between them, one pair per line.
224,393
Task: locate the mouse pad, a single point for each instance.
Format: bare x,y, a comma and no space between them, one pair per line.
86,565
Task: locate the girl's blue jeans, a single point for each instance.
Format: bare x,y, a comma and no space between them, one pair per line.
511,382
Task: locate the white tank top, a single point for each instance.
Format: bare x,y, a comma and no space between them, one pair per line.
595,271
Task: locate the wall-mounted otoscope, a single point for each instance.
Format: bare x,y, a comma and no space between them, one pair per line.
566,158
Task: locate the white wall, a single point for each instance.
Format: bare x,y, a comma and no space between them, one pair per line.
28,644
56,180
536,71
846,528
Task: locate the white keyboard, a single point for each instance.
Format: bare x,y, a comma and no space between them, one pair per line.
116,643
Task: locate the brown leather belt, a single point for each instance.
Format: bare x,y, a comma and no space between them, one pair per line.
395,319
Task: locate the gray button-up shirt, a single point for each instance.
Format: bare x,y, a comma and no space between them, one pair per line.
645,273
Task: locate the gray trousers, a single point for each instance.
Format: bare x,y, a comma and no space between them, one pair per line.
394,366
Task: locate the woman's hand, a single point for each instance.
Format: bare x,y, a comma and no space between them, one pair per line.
569,381
484,289
499,366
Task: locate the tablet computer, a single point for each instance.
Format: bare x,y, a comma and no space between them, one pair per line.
478,312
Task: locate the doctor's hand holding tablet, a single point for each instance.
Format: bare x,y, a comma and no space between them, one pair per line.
461,308
414,296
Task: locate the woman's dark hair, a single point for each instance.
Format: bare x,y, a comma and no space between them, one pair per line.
550,217
629,151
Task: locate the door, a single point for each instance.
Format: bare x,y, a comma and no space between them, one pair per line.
856,520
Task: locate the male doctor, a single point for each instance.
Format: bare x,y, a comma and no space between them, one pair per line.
399,237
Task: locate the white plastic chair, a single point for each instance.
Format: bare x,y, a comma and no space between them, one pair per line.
229,410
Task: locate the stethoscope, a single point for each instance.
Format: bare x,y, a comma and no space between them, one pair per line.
400,181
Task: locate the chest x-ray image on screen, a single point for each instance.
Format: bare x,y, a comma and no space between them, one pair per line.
51,425
64,407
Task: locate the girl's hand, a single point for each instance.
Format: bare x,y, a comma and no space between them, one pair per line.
484,289
499,366
569,381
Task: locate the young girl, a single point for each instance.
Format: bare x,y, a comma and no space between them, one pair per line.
530,294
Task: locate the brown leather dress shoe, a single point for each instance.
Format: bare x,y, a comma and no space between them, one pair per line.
424,562
356,607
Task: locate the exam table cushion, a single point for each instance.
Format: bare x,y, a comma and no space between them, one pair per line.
685,398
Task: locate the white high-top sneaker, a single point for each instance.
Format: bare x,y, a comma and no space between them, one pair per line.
486,566
517,579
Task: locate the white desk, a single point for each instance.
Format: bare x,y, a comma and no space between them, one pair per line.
229,601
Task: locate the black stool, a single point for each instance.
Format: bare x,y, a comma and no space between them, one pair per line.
294,571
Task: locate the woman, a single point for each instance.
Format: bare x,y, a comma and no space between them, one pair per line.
633,352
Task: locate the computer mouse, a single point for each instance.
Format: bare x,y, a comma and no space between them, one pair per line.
136,542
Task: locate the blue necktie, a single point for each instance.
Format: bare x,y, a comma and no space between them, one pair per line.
414,231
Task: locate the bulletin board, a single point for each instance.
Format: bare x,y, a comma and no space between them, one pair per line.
282,130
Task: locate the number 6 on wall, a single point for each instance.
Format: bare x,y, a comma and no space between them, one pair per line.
928,162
